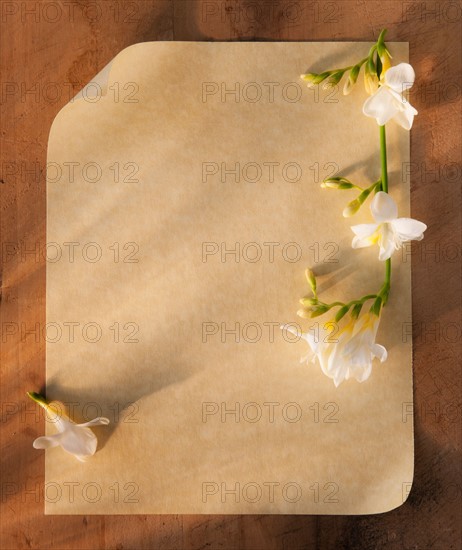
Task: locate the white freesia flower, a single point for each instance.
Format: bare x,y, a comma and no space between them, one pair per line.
389,231
388,103
346,353
76,439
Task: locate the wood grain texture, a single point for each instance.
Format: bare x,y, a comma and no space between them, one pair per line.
50,49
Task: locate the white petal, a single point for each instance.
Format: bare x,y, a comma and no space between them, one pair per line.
46,442
81,458
340,375
383,207
365,234
313,342
387,243
400,78
408,229
363,373
324,359
79,442
382,106
405,118
100,421
364,230
380,352
336,364
292,330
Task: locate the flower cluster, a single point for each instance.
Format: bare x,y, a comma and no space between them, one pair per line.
351,352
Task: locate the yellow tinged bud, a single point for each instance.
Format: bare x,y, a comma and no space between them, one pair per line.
308,301
371,83
348,86
351,208
304,313
311,280
310,79
351,80
331,184
386,64
371,80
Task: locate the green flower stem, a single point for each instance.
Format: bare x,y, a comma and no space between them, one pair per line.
360,63
382,36
353,302
383,158
366,192
371,52
383,162
334,304
363,299
382,296
37,398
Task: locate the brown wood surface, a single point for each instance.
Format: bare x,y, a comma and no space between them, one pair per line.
66,43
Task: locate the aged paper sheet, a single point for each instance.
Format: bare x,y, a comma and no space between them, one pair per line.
183,207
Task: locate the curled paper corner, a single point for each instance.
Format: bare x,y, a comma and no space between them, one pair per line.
97,87
94,90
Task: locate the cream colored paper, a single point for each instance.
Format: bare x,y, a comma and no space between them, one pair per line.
135,184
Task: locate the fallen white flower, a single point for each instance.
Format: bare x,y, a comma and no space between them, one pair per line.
76,439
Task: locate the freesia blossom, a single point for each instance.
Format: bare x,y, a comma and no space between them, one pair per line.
389,231
76,439
387,102
347,352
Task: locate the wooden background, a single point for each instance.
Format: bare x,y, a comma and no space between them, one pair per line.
51,48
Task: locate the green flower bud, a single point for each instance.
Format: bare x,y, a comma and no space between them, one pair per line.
337,183
376,306
311,280
334,79
356,204
351,208
371,80
313,308
356,311
341,313
352,78
308,301
385,63
364,194
312,79
319,311
381,42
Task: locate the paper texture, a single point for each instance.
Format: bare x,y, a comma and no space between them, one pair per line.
183,207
